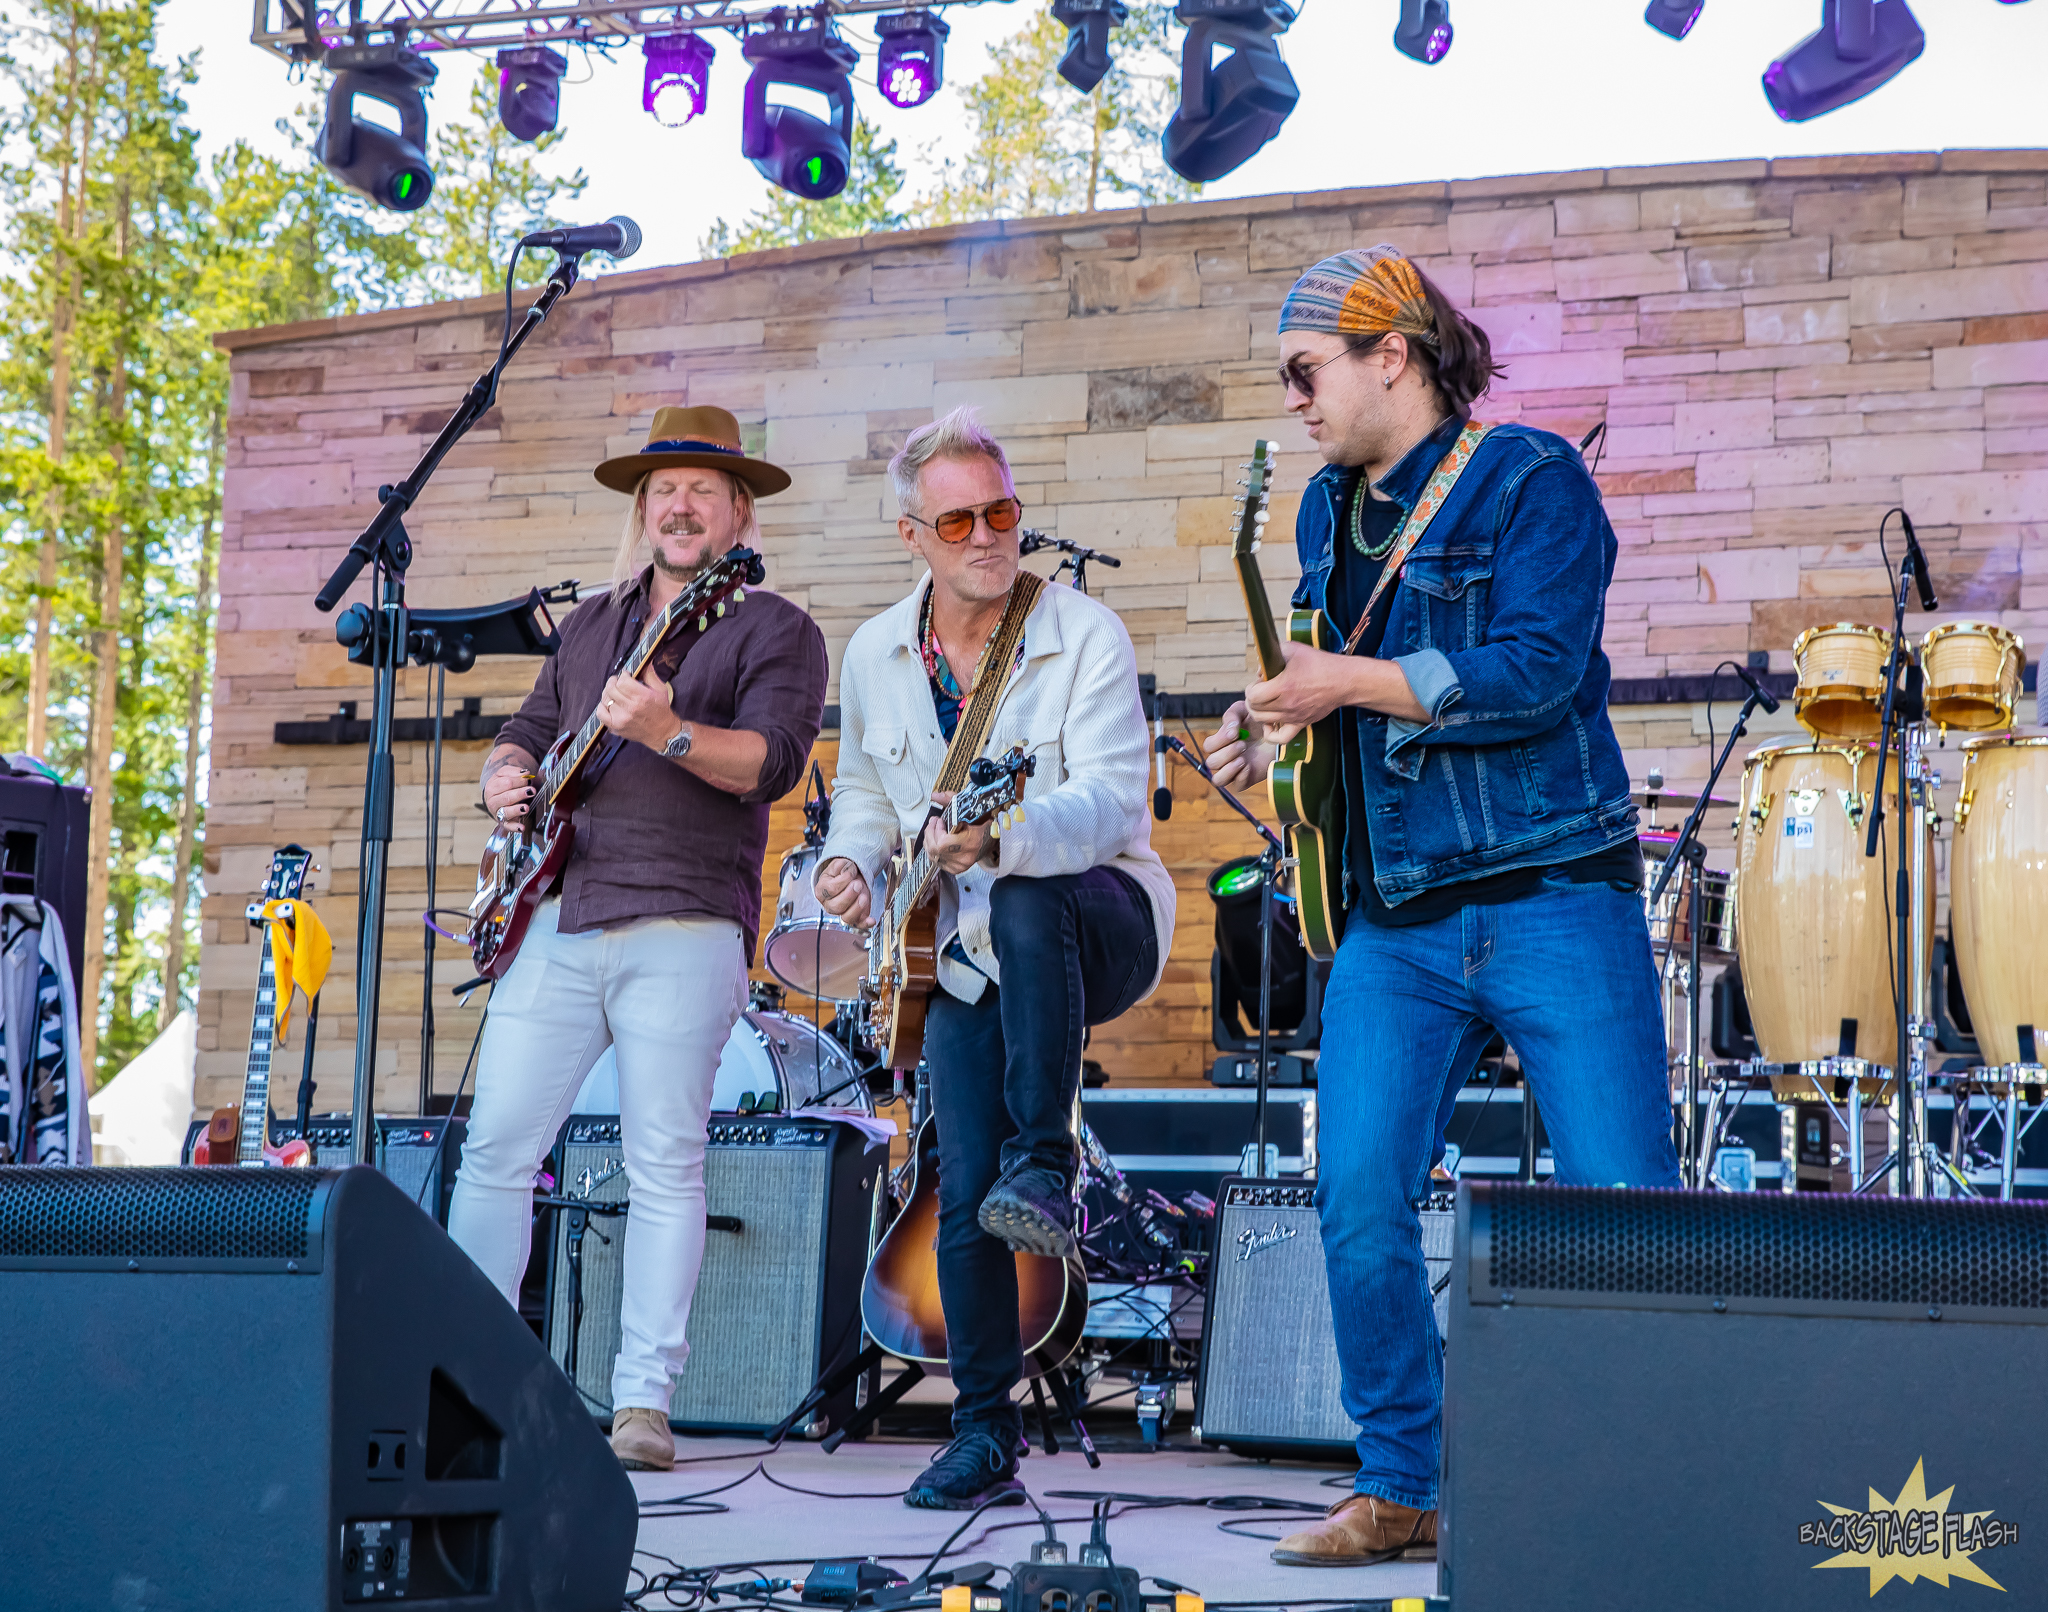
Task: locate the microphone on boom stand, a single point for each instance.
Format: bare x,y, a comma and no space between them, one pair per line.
617,237
1764,696
1916,558
1162,793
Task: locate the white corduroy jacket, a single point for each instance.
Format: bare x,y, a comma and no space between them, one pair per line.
1073,703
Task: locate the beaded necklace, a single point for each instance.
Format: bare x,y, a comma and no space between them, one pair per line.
934,654
1380,550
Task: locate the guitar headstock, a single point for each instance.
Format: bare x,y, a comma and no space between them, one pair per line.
289,866
725,578
1249,512
994,787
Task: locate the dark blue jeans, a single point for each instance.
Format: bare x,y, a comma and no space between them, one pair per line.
1565,975
1074,950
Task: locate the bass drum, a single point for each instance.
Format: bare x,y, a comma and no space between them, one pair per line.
772,1063
1998,889
1811,913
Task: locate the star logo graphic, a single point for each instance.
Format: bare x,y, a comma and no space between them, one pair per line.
1912,1537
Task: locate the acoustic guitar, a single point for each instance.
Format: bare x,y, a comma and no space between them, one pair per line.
242,1135
1306,783
521,860
903,968
899,1297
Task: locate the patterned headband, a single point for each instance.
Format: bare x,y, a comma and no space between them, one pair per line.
1360,292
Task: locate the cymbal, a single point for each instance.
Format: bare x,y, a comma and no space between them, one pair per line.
1674,797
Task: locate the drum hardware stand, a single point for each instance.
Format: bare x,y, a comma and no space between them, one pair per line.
1274,865
387,637
1689,850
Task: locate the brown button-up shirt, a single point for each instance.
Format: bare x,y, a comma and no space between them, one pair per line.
654,840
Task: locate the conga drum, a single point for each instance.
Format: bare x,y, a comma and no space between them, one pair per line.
1998,892
1973,674
1840,689
1811,914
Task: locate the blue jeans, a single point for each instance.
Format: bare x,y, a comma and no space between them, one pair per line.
1565,975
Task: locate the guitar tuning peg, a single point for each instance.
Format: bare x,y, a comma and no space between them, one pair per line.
738,594
720,611
702,623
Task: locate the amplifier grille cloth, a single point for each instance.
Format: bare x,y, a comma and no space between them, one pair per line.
155,1214
754,1324
1768,1245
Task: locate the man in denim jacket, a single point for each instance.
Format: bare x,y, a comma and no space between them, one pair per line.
1490,873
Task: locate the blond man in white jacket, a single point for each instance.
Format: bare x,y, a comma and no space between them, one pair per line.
1062,921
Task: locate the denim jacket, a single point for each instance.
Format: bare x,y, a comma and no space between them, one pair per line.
1495,623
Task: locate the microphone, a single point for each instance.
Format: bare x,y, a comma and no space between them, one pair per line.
617,237
1162,796
1764,696
1916,559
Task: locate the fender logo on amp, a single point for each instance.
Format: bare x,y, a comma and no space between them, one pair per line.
1251,1241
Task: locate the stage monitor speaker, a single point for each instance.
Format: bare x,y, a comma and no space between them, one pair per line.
778,1301
1695,1400
283,1389
1269,1383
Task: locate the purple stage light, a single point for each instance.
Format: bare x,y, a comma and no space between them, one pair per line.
1859,45
913,56
1424,31
678,77
1673,17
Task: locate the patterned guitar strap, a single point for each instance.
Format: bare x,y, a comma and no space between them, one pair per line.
1418,518
980,710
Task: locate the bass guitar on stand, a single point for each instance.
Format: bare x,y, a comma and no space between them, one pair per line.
242,1135
521,860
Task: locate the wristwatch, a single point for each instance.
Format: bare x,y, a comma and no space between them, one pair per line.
679,746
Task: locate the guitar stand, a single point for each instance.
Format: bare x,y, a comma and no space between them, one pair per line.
838,1379
1070,1407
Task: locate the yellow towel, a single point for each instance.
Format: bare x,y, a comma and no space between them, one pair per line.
300,960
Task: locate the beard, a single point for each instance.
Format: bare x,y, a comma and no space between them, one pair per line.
681,571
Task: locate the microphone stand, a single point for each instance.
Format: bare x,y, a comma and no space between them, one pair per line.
1273,861
383,636
1077,554
1692,1168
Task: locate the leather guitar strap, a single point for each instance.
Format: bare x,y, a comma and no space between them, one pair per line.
1418,519
981,705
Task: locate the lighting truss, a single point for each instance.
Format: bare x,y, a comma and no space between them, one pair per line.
443,25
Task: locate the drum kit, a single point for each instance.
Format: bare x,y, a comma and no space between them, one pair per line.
1812,920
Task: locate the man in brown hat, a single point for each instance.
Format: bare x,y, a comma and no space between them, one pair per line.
644,945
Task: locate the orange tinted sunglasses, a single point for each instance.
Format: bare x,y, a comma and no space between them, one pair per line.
957,525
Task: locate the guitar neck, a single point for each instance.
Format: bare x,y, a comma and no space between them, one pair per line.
558,777
256,1083
1265,632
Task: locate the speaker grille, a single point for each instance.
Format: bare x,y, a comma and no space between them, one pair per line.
157,1215
1813,1248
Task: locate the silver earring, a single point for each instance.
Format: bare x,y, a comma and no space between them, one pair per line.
1386,383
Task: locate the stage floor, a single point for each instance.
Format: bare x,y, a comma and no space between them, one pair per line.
770,1524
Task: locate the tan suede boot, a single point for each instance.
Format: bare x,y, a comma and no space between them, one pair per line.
641,1439
1359,1532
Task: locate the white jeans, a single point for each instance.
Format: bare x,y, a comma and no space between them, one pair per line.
665,992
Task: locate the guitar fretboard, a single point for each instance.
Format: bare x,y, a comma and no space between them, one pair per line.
256,1083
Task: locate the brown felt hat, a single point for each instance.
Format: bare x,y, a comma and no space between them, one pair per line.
698,438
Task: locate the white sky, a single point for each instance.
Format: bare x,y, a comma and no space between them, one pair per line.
1529,86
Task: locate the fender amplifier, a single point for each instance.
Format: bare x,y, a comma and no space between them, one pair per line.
791,1204
1269,1383
409,1151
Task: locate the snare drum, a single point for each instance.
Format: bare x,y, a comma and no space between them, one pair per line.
1973,674
809,950
1717,902
1810,913
772,1063
1998,890
1840,692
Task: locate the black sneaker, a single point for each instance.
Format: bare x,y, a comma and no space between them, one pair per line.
976,1468
1032,1209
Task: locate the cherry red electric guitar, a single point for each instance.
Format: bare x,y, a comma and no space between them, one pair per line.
242,1135
521,860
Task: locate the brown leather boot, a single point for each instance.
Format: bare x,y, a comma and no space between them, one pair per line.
1359,1532
641,1439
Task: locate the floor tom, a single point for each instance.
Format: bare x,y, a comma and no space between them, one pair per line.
1998,890
808,949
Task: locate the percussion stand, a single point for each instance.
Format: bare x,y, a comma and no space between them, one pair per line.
1692,1168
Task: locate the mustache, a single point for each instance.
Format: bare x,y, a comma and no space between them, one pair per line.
682,527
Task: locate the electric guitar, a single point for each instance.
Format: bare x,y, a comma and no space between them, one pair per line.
521,860
1306,782
242,1135
899,1296
903,968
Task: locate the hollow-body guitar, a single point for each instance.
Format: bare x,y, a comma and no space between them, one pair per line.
1305,783
904,952
521,860
242,1135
